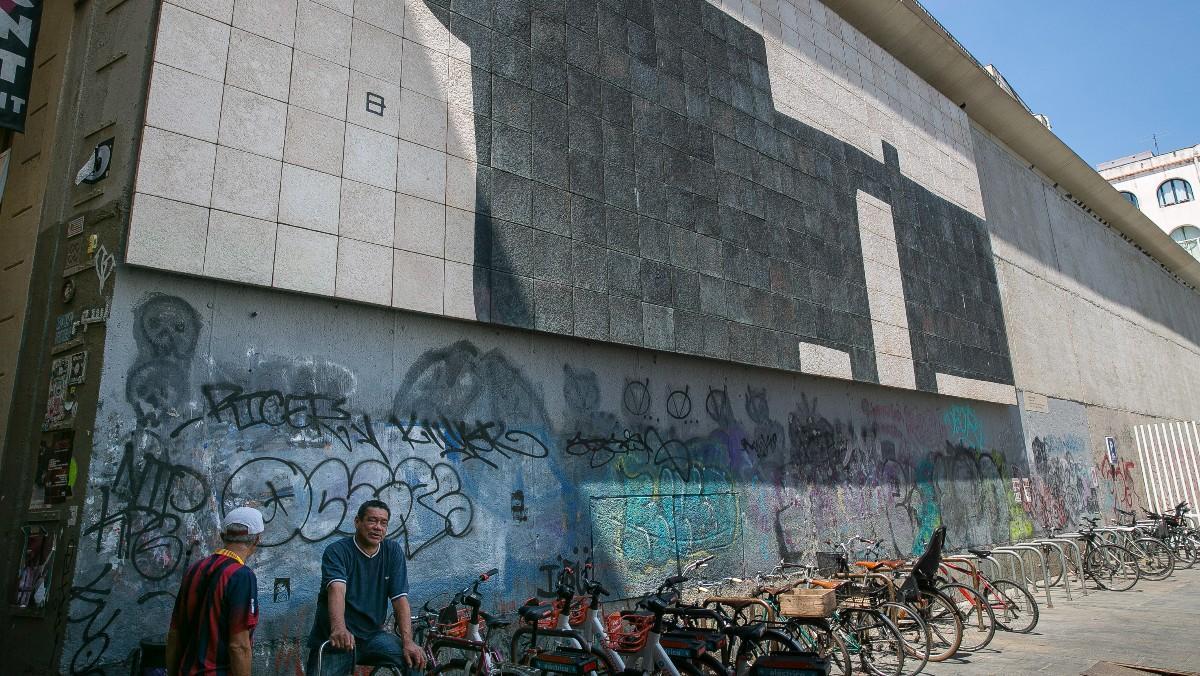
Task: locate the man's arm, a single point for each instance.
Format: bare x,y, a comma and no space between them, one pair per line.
240,653
339,635
414,655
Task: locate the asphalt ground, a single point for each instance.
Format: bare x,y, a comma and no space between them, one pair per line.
1154,624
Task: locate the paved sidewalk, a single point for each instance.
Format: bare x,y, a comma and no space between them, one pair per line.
1155,624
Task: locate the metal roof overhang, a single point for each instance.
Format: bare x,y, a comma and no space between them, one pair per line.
917,40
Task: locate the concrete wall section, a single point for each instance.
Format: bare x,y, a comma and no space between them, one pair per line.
494,447
1089,317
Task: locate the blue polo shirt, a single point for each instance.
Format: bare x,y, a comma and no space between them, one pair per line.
372,583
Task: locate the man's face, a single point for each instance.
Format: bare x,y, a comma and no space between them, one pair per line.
372,527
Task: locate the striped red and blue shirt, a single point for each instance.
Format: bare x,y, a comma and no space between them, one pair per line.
217,599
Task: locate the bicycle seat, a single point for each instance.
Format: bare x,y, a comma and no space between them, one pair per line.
887,564
828,584
775,591
534,613
494,622
747,632
981,553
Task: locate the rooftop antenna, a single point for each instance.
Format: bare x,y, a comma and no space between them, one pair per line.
1154,137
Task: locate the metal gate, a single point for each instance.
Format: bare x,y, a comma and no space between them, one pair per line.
1170,462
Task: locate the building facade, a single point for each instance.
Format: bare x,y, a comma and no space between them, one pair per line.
1163,187
621,281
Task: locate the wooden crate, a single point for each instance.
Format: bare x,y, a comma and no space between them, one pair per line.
808,603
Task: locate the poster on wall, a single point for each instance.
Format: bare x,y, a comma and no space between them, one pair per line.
1027,488
17,42
60,403
54,479
1110,445
32,586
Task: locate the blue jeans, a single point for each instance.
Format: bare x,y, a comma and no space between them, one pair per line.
383,648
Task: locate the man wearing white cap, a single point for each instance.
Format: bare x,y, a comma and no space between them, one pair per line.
216,609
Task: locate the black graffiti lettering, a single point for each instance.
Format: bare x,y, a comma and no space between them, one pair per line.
475,441
92,600
647,447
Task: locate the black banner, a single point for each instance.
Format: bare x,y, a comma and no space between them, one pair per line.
19,22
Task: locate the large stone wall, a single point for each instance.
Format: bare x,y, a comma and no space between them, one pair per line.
761,185
495,448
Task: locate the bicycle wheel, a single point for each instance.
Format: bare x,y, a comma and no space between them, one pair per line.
979,622
1154,558
1112,567
1014,607
772,641
702,665
913,630
877,642
819,636
945,625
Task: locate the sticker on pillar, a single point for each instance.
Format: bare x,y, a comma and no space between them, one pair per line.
54,478
31,589
1110,445
60,403
75,227
1016,485
64,327
78,368
519,513
96,168
105,262
282,592
1027,488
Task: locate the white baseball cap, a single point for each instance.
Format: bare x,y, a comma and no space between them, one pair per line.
249,517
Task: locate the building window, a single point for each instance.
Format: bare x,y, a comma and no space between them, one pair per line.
1174,191
1188,237
1130,197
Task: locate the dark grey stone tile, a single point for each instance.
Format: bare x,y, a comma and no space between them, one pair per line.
587,175
655,240
511,58
584,91
623,231
513,197
512,17
551,257
553,308
548,75
687,289
590,311
510,103
613,65
589,267
658,327
658,282
624,275
548,36
583,50
585,132
625,320
620,188
512,300
712,296
512,150
716,338
549,120
689,332
551,209
477,10
551,165
476,35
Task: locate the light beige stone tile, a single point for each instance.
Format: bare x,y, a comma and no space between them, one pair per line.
259,65
895,371
385,14
891,339
421,171
310,199
319,85
461,183
425,70
370,157
420,225
323,31
969,388
240,249
458,300
421,25
274,19
305,260
422,119
221,10
882,277
176,167
252,122
184,103
377,52
825,361
246,184
166,234
460,236
418,282
191,42
383,115
887,308
368,213
879,249
364,272
460,133
314,140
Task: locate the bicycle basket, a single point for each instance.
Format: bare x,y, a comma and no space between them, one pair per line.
831,563
457,628
627,631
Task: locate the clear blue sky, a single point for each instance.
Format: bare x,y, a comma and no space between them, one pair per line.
1108,73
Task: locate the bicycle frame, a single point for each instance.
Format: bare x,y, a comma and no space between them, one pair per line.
650,656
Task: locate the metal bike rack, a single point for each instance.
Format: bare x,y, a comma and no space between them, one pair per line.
1041,558
1018,567
1062,558
1069,540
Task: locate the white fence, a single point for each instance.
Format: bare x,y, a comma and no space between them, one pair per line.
1170,463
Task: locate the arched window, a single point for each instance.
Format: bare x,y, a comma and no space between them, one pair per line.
1130,197
1188,237
1174,191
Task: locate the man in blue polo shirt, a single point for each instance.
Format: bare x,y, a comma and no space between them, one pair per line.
360,576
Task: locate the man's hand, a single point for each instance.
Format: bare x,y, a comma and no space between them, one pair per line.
342,639
414,655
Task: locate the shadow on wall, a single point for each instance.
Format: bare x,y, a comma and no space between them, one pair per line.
636,184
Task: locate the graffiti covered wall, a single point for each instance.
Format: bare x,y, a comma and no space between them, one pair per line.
493,449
